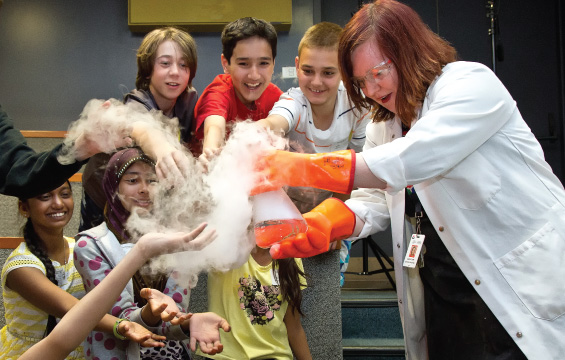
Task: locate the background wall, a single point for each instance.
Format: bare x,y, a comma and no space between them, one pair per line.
57,55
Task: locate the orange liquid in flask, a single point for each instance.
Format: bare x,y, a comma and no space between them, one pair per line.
270,232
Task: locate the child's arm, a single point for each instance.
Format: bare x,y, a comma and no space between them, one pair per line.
158,143
94,266
79,321
277,123
214,132
38,290
296,335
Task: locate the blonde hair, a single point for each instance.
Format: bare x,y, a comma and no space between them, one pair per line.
322,35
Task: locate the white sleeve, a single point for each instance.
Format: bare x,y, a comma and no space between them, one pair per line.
289,106
466,106
369,204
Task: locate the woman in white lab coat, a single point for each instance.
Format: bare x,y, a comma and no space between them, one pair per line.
494,213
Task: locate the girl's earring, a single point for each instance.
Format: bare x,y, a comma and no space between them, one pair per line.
26,215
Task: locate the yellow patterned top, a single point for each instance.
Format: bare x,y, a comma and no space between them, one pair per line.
249,298
25,323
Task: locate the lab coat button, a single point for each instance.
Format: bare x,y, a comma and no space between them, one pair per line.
519,334
393,136
398,246
477,282
400,301
441,228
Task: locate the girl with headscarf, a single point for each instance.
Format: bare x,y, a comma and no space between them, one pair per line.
127,184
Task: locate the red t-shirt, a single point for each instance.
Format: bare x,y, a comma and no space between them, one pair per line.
219,98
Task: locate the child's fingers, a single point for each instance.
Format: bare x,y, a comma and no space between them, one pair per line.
157,340
193,344
206,348
200,241
145,293
182,162
197,231
180,319
159,173
225,326
154,341
159,310
168,316
185,317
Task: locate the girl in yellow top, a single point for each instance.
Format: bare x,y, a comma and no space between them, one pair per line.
39,280
261,300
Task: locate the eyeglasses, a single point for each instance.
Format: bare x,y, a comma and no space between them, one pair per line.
373,76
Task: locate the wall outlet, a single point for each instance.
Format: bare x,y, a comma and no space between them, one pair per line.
289,72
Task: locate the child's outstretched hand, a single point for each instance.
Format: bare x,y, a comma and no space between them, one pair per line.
205,329
136,332
172,164
159,307
207,156
154,244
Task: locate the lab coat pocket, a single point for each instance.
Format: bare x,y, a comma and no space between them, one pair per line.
536,271
472,183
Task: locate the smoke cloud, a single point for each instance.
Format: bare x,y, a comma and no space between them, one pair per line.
110,121
219,196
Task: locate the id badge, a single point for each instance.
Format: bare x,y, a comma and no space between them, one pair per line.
414,249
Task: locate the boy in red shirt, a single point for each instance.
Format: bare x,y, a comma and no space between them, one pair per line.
244,91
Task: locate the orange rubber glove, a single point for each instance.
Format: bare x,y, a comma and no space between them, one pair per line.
330,221
333,171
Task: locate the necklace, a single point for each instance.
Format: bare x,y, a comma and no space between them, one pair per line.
65,246
60,271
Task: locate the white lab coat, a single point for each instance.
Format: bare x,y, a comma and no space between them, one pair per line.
481,176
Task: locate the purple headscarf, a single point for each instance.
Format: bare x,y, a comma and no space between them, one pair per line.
115,213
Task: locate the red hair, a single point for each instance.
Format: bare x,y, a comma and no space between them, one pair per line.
417,53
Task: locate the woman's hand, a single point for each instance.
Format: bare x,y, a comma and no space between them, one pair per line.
205,329
136,332
330,221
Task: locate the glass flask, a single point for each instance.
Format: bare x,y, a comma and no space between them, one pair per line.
276,218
